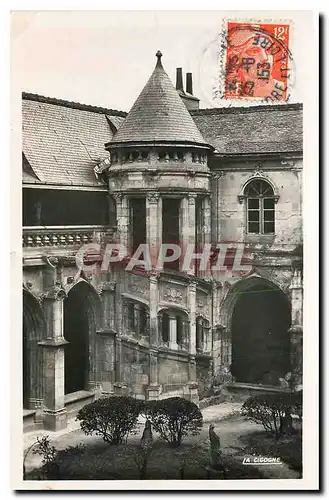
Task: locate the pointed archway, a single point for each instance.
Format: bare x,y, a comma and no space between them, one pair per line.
259,318
34,327
81,317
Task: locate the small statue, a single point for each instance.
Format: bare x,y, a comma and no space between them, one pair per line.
147,437
215,452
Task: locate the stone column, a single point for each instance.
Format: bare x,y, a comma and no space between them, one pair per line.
55,417
214,208
207,219
296,330
192,343
107,291
173,332
154,300
187,227
153,390
226,347
119,384
207,339
153,225
192,312
185,328
122,210
120,387
217,207
105,340
183,221
137,320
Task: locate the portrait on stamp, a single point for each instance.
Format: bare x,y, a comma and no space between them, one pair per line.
258,61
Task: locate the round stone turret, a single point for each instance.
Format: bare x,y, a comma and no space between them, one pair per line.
159,146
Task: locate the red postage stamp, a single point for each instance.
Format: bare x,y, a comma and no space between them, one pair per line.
258,61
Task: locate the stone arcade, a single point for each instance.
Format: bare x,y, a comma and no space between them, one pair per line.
166,172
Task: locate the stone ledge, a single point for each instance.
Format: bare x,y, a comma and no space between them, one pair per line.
28,413
53,342
164,352
256,387
106,331
77,396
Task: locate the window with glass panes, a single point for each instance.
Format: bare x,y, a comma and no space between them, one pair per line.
260,207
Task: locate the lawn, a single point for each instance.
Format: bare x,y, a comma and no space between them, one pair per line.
288,448
108,462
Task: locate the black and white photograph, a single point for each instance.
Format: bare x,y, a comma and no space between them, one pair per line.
163,340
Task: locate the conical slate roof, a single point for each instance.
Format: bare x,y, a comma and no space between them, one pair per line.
158,114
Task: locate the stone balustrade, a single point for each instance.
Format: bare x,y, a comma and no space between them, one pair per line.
63,236
159,154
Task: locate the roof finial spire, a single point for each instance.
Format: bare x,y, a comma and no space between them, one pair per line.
159,55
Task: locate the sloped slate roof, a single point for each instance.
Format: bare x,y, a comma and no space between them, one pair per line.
115,121
158,114
63,141
255,129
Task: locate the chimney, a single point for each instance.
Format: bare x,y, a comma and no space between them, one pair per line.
189,85
191,102
179,79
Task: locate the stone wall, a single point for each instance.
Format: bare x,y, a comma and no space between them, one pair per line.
229,214
173,371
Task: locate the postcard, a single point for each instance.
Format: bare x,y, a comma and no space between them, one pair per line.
164,208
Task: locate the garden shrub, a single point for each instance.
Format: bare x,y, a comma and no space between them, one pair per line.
55,462
273,411
174,418
113,418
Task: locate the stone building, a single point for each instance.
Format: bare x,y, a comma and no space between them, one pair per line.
167,172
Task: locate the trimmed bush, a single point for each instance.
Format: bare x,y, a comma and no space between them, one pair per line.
273,411
174,418
113,418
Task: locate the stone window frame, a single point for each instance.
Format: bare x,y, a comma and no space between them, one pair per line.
202,331
243,198
182,318
133,320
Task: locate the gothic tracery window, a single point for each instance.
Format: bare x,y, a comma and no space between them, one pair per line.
260,201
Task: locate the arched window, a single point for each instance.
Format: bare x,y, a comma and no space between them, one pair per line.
260,201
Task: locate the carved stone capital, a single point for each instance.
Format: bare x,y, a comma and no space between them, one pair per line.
218,174
108,286
191,198
51,261
118,197
57,292
153,197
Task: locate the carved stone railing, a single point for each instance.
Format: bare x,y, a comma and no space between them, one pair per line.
64,236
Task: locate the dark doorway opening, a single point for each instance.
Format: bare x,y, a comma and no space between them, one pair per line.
78,324
260,339
26,369
138,219
60,207
170,227
33,332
